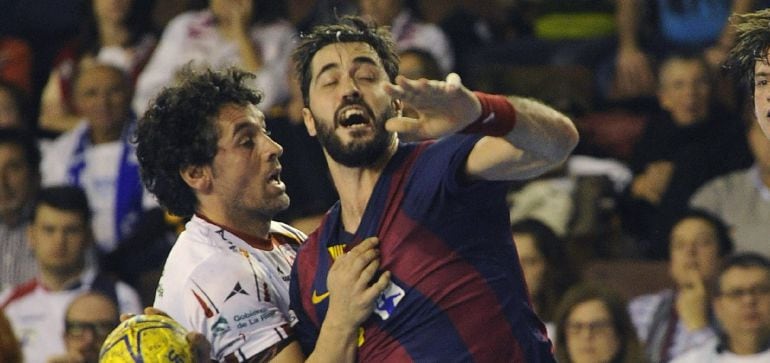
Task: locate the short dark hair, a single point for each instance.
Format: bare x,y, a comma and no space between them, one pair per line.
68,198
741,260
28,144
348,29
751,45
179,130
724,240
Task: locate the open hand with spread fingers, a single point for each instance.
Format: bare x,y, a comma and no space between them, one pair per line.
443,107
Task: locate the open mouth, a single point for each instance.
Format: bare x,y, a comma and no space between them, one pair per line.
275,177
353,116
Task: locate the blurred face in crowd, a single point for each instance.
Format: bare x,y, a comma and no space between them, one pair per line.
17,181
532,261
694,251
59,239
348,104
102,97
590,333
381,11
762,93
742,305
684,90
90,318
112,11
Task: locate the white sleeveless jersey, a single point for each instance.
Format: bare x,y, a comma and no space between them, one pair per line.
235,294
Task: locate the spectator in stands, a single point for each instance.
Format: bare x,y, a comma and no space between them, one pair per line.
648,30
593,326
742,198
16,62
90,317
19,182
113,32
60,237
10,350
99,156
673,321
677,150
250,34
409,31
741,304
547,271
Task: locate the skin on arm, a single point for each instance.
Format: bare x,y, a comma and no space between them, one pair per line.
235,26
717,54
541,139
633,72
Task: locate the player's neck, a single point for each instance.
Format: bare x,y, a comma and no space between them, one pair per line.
355,186
254,226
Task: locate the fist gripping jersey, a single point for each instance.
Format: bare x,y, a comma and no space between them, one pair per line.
457,292
235,294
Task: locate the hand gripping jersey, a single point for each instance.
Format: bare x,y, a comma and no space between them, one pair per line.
457,291
234,294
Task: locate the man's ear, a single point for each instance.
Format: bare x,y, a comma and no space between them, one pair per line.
309,120
196,176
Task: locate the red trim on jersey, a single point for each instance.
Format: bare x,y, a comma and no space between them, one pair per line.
204,306
20,291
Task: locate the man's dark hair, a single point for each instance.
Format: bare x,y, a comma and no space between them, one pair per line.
68,198
348,29
741,260
179,130
28,145
724,240
751,45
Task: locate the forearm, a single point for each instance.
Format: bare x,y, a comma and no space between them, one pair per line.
627,16
250,58
336,343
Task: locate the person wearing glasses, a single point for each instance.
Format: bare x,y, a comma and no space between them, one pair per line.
60,237
741,305
88,321
593,326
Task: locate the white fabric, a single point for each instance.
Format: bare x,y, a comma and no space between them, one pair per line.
98,179
236,295
408,32
37,314
707,353
192,36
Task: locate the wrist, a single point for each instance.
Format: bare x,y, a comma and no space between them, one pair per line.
498,116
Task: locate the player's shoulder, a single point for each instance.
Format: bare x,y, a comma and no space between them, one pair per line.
288,231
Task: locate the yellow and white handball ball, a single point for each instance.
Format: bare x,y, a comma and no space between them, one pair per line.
148,339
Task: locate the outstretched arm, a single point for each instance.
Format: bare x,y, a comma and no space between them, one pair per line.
540,139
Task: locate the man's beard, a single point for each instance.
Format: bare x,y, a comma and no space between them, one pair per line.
357,153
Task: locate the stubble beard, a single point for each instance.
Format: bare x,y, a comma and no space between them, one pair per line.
357,153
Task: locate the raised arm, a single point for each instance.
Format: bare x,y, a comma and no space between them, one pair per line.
540,138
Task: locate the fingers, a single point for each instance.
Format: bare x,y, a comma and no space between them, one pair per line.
126,316
406,125
153,311
200,347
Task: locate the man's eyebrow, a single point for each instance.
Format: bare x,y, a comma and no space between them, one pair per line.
366,60
241,126
359,60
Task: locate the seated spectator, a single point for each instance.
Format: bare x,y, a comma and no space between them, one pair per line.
10,350
593,326
89,319
249,34
741,305
99,156
113,32
678,149
742,198
547,270
409,31
671,322
60,237
20,173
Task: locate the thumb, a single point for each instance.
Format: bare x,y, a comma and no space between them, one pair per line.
403,124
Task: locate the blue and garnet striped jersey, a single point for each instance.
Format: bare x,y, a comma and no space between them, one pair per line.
457,291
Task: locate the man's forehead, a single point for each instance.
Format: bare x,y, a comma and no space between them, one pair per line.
336,52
